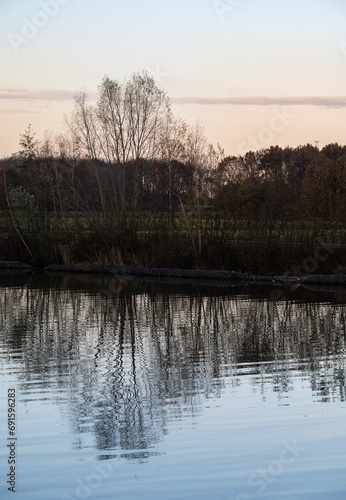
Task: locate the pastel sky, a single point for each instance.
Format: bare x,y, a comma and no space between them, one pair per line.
254,72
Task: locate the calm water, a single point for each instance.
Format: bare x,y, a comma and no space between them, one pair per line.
153,391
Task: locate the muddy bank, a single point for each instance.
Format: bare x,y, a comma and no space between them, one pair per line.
323,279
118,272
184,274
16,266
230,276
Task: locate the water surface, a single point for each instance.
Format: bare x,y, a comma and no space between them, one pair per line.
143,390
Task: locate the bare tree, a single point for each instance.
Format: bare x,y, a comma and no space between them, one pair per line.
123,126
84,126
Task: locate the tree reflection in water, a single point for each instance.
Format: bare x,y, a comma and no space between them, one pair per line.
130,364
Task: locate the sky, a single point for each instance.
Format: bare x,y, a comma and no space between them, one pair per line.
255,73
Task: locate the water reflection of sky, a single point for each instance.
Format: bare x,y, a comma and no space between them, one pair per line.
202,383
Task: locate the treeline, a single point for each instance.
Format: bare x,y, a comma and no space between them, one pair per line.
128,183
275,184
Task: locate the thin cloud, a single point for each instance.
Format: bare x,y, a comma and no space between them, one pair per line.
68,95
16,111
38,95
326,101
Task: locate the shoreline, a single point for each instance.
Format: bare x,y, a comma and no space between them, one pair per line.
209,275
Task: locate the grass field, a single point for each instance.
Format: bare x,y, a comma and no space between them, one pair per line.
187,241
